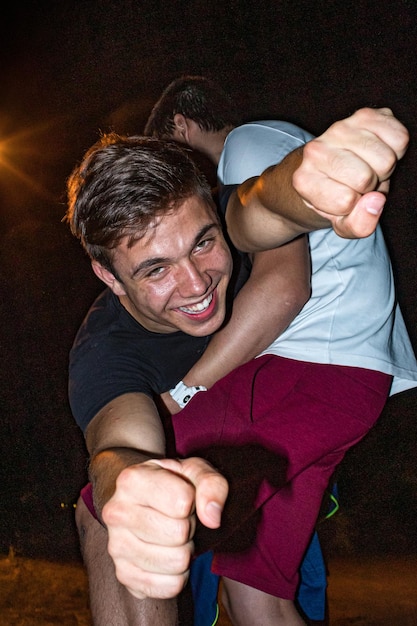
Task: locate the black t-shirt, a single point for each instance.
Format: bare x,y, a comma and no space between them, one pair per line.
113,354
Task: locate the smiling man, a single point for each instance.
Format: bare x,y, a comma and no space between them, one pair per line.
175,276
146,217
148,221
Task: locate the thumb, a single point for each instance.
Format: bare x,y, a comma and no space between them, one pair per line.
211,490
363,219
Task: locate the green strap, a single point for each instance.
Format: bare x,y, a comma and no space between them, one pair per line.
335,506
217,614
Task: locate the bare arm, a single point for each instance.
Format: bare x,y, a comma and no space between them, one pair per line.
277,289
338,180
148,503
127,431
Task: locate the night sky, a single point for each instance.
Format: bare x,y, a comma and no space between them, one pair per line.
70,69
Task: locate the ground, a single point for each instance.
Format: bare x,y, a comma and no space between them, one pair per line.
372,592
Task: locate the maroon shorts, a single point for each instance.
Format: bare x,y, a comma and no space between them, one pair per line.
87,496
307,415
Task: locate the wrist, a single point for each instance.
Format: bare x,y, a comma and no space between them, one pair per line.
182,394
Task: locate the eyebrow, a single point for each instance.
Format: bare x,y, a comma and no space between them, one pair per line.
155,261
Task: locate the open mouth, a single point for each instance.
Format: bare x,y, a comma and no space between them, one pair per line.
196,309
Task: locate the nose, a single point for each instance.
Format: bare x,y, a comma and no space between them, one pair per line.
193,280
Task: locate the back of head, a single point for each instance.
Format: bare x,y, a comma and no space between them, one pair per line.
122,184
198,99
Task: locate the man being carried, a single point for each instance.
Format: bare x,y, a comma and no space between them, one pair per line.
195,111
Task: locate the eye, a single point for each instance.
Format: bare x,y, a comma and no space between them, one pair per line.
156,271
204,243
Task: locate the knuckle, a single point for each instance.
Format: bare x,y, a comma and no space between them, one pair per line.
181,560
386,111
184,502
300,179
110,514
364,113
401,140
125,577
126,477
181,531
170,587
211,478
312,149
115,547
177,586
365,179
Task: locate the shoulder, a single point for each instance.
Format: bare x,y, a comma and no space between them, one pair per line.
278,129
113,355
105,321
251,148
105,359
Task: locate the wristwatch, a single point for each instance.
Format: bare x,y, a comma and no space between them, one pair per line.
183,394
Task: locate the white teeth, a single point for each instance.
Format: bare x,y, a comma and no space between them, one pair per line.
197,308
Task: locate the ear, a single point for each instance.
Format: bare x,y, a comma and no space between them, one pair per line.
181,128
108,278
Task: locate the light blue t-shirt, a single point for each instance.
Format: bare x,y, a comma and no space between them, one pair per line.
352,317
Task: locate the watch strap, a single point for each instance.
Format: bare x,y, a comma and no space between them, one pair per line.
183,394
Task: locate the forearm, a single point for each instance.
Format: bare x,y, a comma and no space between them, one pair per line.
127,431
244,338
278,288
337,180
105,468
266,212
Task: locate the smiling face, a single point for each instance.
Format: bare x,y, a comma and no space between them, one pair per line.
176,276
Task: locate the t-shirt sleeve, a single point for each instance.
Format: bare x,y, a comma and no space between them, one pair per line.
252,148
113,355
225,191
100,372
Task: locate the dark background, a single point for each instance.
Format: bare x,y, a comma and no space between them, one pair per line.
69,69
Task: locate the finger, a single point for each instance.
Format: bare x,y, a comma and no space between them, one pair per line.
385,125
160,587
158,484
148,524
328,196
128,551
359,152
360,164
364,159
146,584
374,135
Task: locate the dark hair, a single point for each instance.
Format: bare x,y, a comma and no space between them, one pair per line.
122,184
195,97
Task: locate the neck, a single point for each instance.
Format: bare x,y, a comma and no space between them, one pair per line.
212,143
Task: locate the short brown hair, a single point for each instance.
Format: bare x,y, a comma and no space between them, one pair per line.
122,184
196,97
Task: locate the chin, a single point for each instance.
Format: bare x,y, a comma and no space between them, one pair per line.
206,328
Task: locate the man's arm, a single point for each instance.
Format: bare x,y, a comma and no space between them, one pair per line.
148,503
125,432
277,289
337,180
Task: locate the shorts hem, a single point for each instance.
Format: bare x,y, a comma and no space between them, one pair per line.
283,591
